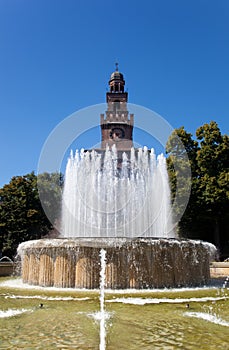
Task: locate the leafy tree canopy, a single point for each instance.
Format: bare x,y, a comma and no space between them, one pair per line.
22,217
207,213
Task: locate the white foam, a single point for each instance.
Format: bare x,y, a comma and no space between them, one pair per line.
17,283
97,316
143,301
45,298
12,312
208,317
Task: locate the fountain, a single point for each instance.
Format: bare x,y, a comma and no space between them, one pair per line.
116,198
100,200
106,207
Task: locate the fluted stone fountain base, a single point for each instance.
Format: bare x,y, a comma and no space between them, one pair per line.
131,263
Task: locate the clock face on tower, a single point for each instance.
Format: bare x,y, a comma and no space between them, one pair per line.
117,133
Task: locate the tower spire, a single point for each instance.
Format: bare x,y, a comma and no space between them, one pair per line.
117,81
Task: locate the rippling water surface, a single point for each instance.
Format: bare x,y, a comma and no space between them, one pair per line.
137,320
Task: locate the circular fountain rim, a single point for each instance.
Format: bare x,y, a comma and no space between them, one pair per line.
103,242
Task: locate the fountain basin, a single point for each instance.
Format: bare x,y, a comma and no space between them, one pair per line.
130,263
6,266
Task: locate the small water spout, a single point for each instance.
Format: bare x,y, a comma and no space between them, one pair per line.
102,299
6,258
226,282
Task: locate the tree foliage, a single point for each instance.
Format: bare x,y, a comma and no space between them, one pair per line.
50,193
207,213
22,217
181,165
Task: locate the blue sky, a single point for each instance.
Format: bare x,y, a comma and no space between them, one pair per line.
57,56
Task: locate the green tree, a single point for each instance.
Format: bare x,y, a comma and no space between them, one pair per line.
22,217
213,164
207,214
181,165
50,194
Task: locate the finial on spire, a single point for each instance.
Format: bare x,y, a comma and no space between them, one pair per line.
116,65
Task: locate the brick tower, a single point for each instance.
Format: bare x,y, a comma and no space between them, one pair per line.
117,124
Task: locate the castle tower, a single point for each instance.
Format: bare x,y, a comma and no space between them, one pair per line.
117,124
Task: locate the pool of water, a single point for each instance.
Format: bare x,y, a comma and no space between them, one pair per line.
156,319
